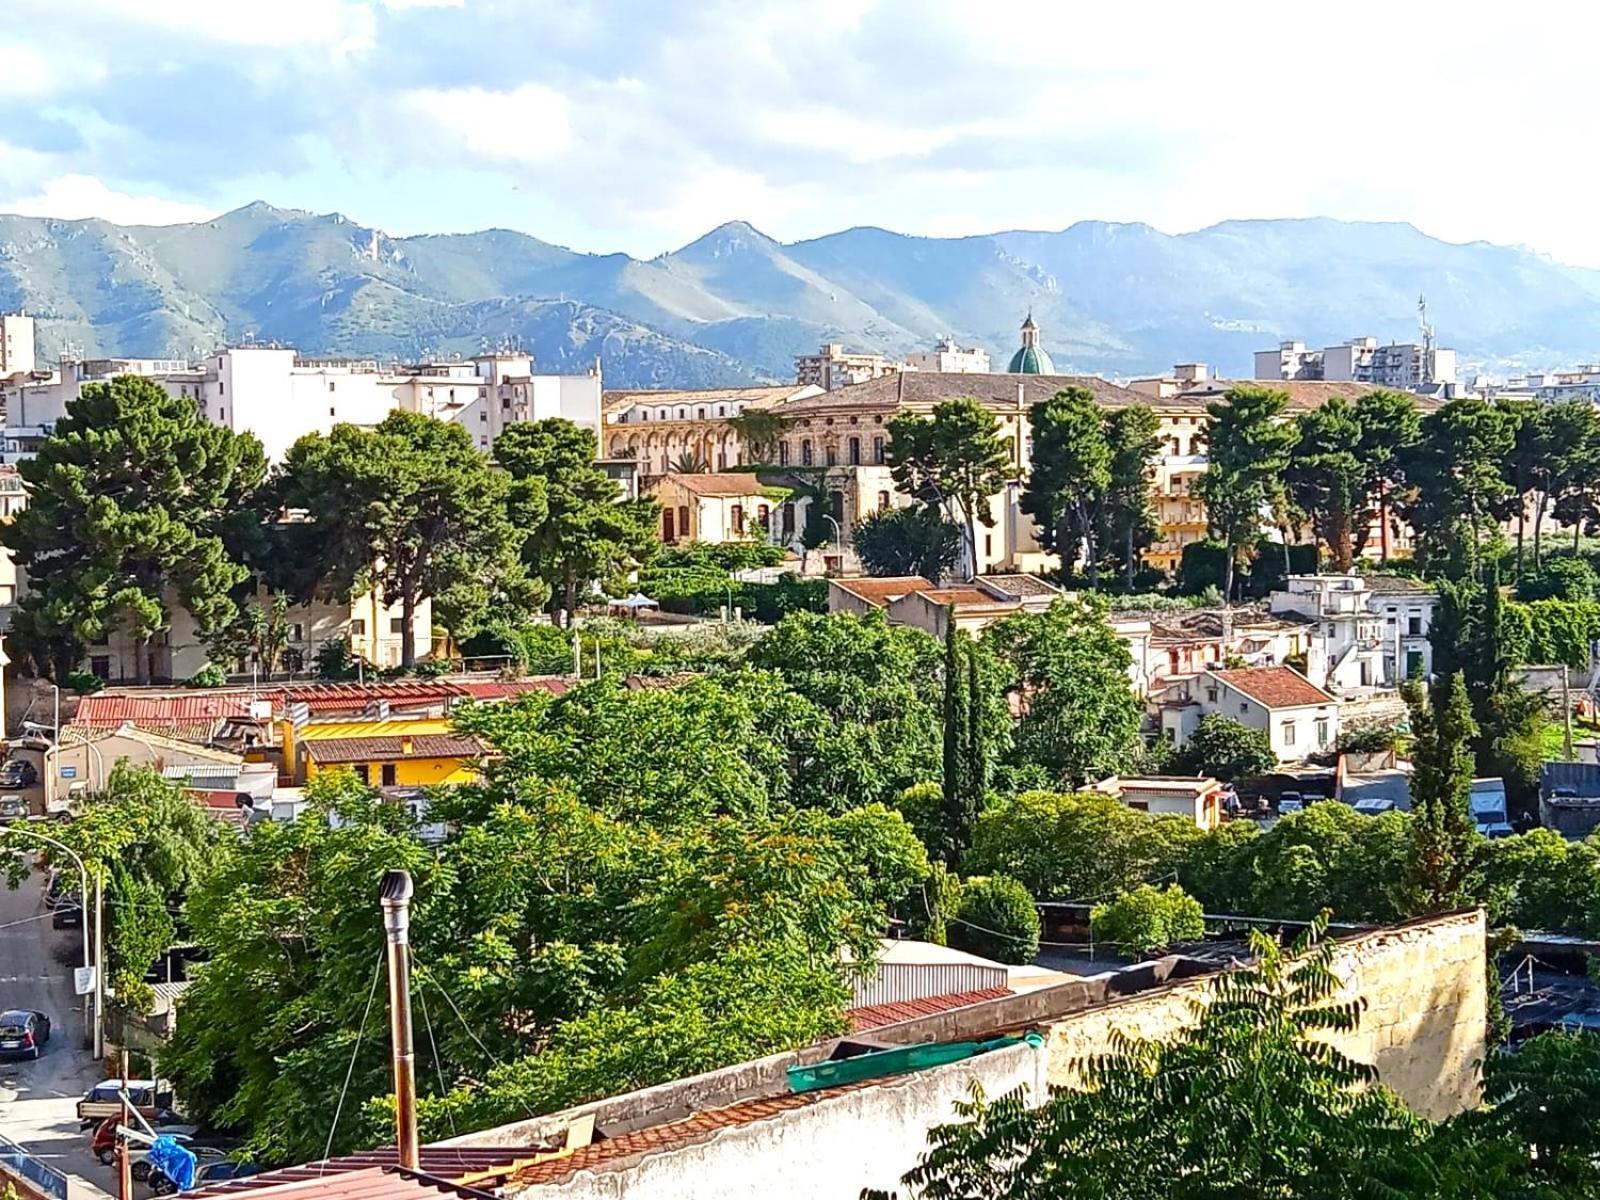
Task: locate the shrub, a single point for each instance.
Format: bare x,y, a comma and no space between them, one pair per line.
1560,579
995,918
84,682
333,660
1148,920
1202,566
1226,749
208,676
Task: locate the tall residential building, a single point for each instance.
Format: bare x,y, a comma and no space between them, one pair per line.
833,367
16,345
950,359
1404,366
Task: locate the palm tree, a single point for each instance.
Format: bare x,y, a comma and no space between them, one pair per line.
691,462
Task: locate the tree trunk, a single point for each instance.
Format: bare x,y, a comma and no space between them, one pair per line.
1339,539
972,543
1383,520
1227,574
1522,523
569,593
1128,566
1092,551
1538,530
408,636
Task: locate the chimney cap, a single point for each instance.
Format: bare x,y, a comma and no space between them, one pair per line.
396,887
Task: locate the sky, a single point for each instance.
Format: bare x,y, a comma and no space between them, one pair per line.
638,125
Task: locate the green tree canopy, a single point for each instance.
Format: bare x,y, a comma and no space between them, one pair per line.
1129,515
1070,477
411,506
1446,848
1148,920
1390,425
908,541
956,457
1327,477
577,530
1248,448
1458,489
130,501
1226,749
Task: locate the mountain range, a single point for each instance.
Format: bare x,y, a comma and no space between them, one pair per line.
735,306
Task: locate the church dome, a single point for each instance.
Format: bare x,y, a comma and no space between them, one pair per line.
1030,358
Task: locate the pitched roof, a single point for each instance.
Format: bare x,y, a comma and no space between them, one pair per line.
967,598
717,483
1019,585
924,389
1303,394
389,749
1390,585
115,708
1274,687
875,1016
615,400
879,590
77,735
445,1168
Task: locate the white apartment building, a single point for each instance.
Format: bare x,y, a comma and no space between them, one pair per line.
1404,366
17,355
1368,631
832,367
1299,718
1580,383
950,359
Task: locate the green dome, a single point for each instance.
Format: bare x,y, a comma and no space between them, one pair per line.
1031,360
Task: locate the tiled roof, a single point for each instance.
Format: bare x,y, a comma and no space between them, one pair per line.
966,597
388,749
495,689
725,483
612,401
114,708
875,1016
1019,585
924,389
447,1169
1396,584
1274,687
1303,394
880,590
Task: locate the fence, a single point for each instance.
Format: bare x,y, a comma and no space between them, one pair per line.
41,1175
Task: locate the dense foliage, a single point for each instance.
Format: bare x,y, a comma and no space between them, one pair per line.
995,918
916,540
1226,749
956,459
1148,920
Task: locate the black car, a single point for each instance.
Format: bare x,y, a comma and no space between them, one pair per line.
23,1033
67,914
17,772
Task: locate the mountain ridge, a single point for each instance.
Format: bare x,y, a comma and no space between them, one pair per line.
735,305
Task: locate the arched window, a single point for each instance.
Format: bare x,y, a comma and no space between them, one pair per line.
833,455
883,501
877,450
805,452
854,451
683,414
783,454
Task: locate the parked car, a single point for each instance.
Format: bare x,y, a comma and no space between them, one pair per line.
17,773
68,914
13,808
23,1033
104,1099
1290,802
209,1168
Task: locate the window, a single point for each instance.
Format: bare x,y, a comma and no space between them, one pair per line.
222,414
700,414
836,504
397,625
805,452
297,632
1243,707
683,520
783,454
721,410
363,772
483,415
764,517
100,665
388,775
669,532
1414,624
1211,694
877,450
736,518
988,545
222,388
832,455
358,627
1322,731
854,452
330,386
883,501
1288,733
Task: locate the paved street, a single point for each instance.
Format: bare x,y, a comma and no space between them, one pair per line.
37,1098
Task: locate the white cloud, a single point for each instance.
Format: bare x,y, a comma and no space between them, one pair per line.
28,71
402,5
72,197
526,124
336,24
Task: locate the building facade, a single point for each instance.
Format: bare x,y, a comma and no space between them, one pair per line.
832,366
1298,717
17,353
950,359
716,508
1402,366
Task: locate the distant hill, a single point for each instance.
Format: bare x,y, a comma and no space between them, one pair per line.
736,306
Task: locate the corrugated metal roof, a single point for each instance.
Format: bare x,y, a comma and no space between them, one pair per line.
114,708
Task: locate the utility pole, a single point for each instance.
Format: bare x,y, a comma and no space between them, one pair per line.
99,966
1566,712
394,894
124,1167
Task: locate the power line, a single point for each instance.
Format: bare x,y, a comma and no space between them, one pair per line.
427,1023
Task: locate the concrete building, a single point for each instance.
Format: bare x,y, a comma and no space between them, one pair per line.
1163,387
1345,654
1298,717
870,594
947,358
832,367
1403,366
1196,798
17,354
726,507
976,606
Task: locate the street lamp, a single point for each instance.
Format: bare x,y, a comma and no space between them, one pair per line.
83,905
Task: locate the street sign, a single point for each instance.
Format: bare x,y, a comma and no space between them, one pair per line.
69,772
82,980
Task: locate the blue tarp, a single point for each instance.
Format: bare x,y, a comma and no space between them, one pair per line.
173,1161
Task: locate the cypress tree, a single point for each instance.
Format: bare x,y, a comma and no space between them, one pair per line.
977,761
958,809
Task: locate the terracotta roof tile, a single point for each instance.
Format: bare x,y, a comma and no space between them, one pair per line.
879,590
443,1168
724,483
875,1016
1275,687
380,749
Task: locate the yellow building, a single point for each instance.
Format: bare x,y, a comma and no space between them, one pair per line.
398,753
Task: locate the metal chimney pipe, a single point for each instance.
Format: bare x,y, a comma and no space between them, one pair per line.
394,893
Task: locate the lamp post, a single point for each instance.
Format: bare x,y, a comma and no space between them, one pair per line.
83,908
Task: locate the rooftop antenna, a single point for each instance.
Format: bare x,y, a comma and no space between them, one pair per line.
394,894
1427,338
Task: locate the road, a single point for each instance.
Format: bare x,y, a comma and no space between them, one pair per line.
37,1099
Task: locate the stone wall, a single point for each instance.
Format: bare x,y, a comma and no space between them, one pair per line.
1423,1028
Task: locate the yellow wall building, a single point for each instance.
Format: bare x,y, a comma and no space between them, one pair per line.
415,753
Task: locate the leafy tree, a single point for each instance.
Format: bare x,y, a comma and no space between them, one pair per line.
130,500
1129,512
908,541
1070,477
1251,1100
1063,846
1458,489
1526,465
411,506
1560,579
1390,425
996,918
957,457
583,531
1080,720
1226,749
1248,454
259,632
960,796
1147,920
760,429
1328,479
1445,844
